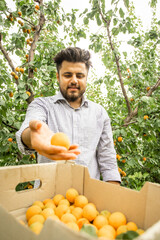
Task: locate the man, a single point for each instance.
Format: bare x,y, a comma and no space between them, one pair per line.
86,123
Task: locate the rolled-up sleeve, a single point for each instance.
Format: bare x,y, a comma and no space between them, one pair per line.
106,153
36,110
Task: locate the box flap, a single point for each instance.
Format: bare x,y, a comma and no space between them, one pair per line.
152,213
14,175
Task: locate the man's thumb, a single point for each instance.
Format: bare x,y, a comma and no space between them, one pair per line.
35,124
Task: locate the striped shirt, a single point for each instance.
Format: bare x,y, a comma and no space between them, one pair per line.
88,126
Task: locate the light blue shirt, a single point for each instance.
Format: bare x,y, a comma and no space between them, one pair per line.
88,126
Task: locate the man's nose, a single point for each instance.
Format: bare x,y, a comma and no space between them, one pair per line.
74,78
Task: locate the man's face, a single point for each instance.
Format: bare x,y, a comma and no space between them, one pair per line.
72,78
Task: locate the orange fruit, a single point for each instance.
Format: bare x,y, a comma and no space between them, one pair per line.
122,229
73,226
100,221
39,203
132,99
77,212
60,139
71,207
71,194
10,139
28,93
47,200
144,158
68,217
22,70
16,77
80,201
64,202
120,139
140,231
110,228
50,204
33,210
89,212
37,7
36,227
81,222
47,212
118,157
148,88
19,13
32,156
17,69
105,213
61,210
117,219
36,218
107,233
57,199
13,73
131,226
146,117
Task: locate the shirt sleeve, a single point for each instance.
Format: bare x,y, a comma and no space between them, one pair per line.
106,153
36,111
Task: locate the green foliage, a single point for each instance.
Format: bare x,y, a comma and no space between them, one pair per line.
129,235
129,76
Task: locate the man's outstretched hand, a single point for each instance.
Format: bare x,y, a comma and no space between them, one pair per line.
40,139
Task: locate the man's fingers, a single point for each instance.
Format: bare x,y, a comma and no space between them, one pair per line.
51,150
60,156
75,151
73,146
35,124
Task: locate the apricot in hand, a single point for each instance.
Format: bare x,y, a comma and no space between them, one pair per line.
60,139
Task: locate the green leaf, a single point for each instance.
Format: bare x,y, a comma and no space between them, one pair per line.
3,6
115,21
129,235
126,3
98,19
115,31
86,20
89,230
121,13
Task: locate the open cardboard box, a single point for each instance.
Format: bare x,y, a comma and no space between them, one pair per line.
142,207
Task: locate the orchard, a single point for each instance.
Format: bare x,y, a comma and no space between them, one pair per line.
30,36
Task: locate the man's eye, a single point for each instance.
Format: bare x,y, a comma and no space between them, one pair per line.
67,75
80,76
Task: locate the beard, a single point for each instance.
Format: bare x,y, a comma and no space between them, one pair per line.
72,96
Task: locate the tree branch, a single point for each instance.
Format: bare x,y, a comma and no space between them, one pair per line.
117,61
33,47
7,57
134,113
16,129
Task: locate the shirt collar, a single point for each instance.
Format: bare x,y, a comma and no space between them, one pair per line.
60,97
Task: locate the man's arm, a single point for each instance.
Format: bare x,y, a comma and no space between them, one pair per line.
26,137
106,153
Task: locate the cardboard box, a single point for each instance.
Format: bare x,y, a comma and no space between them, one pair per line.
142,207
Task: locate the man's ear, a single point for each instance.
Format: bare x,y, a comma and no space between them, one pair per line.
57,76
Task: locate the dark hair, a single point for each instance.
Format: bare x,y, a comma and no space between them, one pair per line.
73,54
